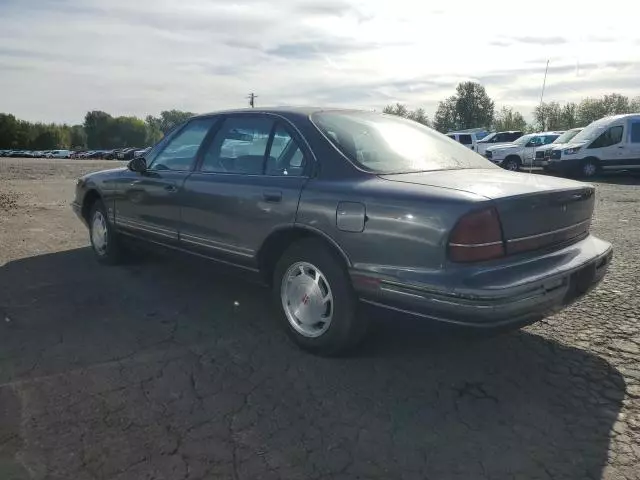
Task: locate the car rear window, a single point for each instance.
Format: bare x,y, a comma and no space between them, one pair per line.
383,144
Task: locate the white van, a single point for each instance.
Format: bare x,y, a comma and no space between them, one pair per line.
611,143
468,138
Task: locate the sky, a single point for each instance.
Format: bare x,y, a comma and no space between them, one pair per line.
61,58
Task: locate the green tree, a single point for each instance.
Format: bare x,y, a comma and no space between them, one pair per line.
508,119
418,115
398,109
634,105
168,119
445,118
474,108
590,110
470,107
46,137
548,116
97,126
615,104
8,130
128,132
77,137
569,116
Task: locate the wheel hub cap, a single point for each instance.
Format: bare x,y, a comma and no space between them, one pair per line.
589,169
307,299
99,233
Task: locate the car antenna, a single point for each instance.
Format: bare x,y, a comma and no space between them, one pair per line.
544,84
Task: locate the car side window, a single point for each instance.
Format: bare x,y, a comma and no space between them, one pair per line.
609,137
239,146
285,156
635,132
180,152
466,139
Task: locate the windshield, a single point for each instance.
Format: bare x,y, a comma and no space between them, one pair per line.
523,140
568,135
389,144
488,138
592,131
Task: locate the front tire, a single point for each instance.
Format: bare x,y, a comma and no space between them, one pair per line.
512,164
104,240
589,168
315,299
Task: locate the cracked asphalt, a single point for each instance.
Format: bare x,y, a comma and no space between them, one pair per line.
168,369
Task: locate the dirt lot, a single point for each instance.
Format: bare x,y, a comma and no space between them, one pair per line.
165,369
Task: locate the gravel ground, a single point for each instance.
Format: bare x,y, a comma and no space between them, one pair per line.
165,369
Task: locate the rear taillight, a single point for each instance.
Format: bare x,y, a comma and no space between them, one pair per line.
476,237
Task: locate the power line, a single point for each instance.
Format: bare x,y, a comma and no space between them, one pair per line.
252,96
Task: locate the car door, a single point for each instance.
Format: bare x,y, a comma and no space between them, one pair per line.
610,147
147,203
247,185
466,140
630,151
529,152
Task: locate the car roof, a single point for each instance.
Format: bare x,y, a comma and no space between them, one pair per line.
290,110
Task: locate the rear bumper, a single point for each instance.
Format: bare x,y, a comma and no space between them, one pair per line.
553,282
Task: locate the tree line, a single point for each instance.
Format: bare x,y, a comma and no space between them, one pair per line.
471,107
99,131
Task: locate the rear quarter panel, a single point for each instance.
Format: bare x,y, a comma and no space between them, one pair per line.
406,225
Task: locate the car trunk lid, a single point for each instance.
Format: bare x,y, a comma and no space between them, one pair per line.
536,211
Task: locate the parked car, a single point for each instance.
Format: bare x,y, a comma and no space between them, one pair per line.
126,153
497,138
59,154
140,153
611,143
469,138
333,207
544,152
109,154
513,156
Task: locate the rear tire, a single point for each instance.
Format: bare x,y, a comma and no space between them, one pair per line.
315,299
105,243
512,164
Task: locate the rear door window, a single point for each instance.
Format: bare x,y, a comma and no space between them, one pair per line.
466,139
635,132
285,155
239,147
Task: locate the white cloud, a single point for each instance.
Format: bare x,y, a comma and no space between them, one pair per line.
60,58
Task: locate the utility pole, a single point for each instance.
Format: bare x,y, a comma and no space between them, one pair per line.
252,96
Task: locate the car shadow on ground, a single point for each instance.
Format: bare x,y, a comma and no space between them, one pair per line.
167,369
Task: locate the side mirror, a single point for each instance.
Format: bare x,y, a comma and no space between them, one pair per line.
138,164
